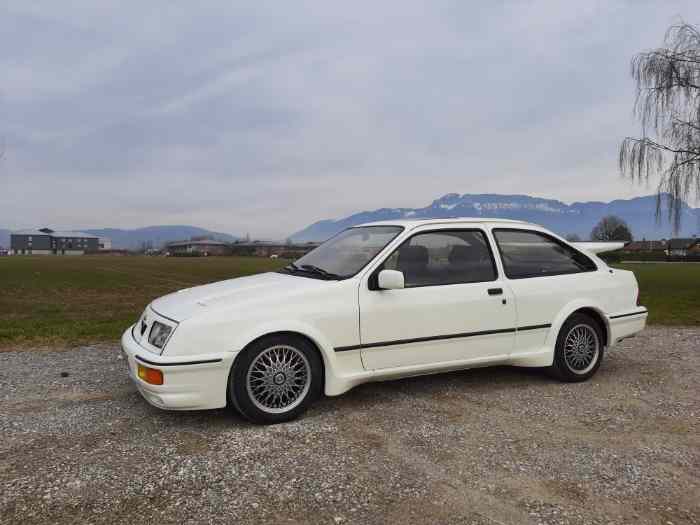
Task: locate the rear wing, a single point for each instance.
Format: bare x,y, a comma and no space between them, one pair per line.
598,247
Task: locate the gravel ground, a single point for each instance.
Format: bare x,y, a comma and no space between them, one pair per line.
499,445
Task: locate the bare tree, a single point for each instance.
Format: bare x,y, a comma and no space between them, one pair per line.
611,228
573,237
668,108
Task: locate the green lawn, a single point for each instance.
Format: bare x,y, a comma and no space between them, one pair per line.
671,291
70,300
61,301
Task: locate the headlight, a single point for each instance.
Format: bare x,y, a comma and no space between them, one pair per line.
159,334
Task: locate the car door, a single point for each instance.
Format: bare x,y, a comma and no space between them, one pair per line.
454,306
545,275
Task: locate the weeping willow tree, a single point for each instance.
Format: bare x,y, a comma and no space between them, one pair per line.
668,108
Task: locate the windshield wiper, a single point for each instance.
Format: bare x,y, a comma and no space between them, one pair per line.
312,270
319,271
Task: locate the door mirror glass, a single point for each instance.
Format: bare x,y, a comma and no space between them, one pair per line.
390,280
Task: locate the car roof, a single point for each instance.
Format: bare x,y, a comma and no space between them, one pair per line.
412,223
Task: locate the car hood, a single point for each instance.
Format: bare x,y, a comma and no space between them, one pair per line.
184,304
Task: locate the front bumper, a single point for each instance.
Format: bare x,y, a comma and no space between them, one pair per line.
194,383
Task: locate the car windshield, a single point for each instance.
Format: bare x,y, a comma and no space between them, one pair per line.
345,254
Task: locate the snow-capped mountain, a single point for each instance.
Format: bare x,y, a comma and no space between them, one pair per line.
577,218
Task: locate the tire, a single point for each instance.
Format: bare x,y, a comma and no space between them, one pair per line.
579,349
275,379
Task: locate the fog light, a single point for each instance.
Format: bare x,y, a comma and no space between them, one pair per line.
150,375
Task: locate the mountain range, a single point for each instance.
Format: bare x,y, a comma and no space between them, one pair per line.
577,218
565,219
156,236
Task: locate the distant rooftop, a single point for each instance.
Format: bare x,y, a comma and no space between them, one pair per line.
204,242
52,233
680,244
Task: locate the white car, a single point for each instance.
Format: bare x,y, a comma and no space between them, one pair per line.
381,301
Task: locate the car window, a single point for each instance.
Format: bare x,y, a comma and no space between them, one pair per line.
533,254
349,251
444,257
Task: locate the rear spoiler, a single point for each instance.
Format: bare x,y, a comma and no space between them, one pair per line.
599,247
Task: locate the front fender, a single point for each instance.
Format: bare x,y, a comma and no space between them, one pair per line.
337,373
243,339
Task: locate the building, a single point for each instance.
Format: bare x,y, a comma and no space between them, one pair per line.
272,249
645,246
105,244
49,242
684,247
198,247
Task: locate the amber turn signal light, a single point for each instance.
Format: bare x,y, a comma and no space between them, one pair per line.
150,375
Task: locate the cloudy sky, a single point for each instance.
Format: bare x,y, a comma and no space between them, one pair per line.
263,117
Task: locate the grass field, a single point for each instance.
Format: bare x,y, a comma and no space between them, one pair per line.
63,301
671,291
69,300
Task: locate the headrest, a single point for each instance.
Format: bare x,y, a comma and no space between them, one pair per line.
464,254
413,256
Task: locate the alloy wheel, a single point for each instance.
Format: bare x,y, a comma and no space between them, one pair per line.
278,379
581,349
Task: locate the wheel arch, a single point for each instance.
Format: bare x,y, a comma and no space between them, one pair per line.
307,333
288,333
599,318
588,307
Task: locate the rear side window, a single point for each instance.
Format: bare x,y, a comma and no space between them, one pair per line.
444,257
534,254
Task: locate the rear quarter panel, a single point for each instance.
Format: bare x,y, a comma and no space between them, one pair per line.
552,299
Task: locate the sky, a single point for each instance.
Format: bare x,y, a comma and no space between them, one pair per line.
264,117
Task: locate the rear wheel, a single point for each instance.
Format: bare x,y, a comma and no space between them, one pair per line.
579,349
275,379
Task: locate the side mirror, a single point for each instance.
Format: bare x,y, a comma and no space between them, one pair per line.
390,280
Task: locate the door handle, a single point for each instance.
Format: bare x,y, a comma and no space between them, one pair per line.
495,291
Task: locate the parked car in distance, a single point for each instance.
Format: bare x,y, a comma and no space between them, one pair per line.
382,301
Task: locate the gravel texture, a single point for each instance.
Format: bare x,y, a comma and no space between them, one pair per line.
498,445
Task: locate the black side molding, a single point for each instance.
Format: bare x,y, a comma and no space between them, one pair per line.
440,337
533,327
629,315
143,360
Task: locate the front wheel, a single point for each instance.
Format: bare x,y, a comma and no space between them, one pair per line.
579,349
275,379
